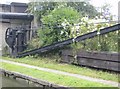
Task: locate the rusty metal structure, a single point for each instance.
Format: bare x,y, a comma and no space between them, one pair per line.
16,39
69,41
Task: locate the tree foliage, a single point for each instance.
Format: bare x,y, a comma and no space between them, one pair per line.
41,8
57,24
44,8
85,8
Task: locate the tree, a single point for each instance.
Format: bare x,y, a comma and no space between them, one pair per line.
41,8
44,8
85,8
105,11
58,24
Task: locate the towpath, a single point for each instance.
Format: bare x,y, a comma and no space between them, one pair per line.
116,84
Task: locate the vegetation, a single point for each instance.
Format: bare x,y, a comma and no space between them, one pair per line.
85,8
105,11
44,8
57,25
108,43
34,43
54,78
60,21
53,63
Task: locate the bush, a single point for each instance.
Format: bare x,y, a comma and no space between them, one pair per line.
58,25
34,43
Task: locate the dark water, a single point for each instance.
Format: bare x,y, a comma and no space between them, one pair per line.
10,82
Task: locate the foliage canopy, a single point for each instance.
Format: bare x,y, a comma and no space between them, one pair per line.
57,24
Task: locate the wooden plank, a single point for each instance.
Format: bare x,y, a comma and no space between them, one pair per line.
100,55
67,59
102,60
67,52
64,59
99,64
71,59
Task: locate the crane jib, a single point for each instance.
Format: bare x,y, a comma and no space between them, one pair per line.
69,41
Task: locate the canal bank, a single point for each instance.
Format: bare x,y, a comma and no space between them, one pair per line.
55,77
10,82
91,79
14,79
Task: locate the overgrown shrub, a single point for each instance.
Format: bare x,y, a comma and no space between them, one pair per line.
107,42
58,25
34,43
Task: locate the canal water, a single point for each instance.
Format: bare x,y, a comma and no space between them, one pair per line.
10,82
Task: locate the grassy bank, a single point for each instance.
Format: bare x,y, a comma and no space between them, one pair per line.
52,64
53,78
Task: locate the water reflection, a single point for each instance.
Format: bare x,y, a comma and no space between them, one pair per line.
10,82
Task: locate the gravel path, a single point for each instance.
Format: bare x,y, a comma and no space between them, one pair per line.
64,73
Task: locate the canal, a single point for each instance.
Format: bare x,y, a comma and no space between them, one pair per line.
10,82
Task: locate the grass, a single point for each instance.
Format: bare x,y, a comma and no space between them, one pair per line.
52,64
51,77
